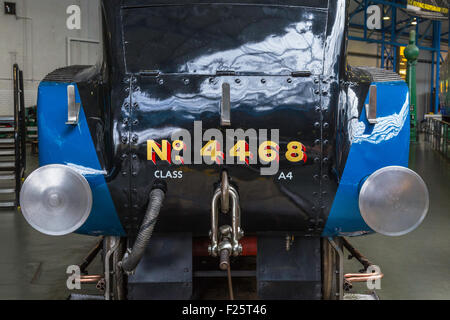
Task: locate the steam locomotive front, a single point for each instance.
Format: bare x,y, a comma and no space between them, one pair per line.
204,72
241,113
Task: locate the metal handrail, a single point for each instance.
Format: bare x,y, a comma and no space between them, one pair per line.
437,133
16,81
22,128
19,129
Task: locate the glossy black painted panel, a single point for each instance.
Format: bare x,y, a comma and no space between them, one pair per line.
306,3
167,103
203,39
353,94
305,109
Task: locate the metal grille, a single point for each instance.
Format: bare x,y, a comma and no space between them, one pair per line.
438,134
381,75
65,74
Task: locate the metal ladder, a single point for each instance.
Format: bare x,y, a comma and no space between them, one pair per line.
13,146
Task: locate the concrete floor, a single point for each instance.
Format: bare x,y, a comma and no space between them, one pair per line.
33,265
416,266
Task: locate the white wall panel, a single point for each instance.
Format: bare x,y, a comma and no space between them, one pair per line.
36,40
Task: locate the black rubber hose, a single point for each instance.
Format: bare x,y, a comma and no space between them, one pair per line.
132,259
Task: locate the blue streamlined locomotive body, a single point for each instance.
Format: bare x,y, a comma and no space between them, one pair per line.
339,140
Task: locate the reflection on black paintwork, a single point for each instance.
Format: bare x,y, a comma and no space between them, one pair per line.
203,39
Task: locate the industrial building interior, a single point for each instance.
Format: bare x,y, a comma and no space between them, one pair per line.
35,36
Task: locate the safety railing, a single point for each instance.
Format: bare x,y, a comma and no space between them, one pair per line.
437,133
19,128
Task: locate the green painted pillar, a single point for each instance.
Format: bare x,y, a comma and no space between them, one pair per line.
411,54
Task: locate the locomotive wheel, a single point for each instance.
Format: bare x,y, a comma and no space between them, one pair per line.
330,264
329,257
117,278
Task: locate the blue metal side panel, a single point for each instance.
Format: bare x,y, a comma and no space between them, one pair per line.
373,147
73,146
